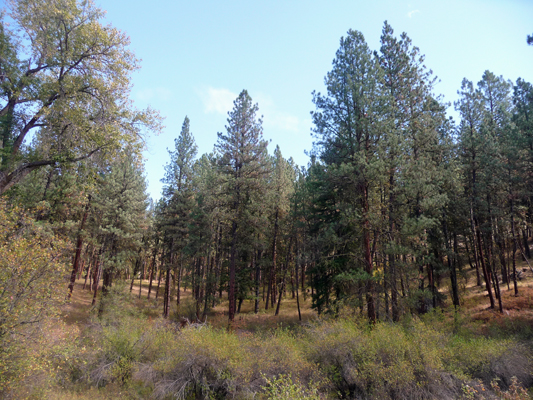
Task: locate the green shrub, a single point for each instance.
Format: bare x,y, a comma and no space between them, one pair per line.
213,363
33,261
283,387
385,361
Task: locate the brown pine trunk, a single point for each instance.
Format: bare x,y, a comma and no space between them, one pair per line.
270,290
90,265
208,283
199,285
141,278
166,300
178,290
284,273
296,277
97,274
152,271
83,262
257,268
368,257
232,266
451,265
515,285
526,244
159,279
79,246
87,274
486,275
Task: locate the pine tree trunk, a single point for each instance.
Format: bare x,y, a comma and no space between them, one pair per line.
79,246
270,289
159,280
231,289
152,271
296,277
83,262
515,285
96,278
284,272
451,264
486,275
368,257
526,244
178,290
141,278
257,268
88,273
166,300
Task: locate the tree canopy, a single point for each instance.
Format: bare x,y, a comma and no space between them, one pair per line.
65,77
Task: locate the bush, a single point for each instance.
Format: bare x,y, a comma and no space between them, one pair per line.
213,363
488,359
118,337
410,361
382,362
283,387
32,266
346,357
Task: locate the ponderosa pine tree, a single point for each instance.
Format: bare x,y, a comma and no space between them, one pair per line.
179,200
349,125
278,200
242,164
413,141
121,202
485,138
523,120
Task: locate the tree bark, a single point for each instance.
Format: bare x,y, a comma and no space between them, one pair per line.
166,301
79,246
270,288
231,289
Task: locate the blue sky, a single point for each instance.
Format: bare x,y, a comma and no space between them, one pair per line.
198,55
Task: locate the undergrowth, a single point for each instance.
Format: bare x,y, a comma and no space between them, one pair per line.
126,353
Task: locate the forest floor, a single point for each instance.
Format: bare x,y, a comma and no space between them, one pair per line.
474,319
475,307
517,310
78,310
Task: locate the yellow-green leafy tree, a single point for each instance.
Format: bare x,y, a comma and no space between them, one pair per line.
65,77
32,267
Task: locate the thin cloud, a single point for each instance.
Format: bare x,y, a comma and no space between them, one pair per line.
411,13
282,121
218,101
275,119
160,93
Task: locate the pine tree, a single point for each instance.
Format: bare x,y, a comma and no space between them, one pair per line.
121,203
179,201
242,165
280,190
348,125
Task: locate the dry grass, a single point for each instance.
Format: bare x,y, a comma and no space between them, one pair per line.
518,310
78,310
517,316
476,317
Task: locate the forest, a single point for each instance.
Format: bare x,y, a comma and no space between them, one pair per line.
356,276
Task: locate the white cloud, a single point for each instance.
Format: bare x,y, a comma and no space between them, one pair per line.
275,119
159,93
411,13
283,121
218,101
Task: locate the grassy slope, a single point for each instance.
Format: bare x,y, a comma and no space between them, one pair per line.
475,317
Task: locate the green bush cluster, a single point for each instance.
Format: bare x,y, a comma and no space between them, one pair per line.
212,363
342,358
